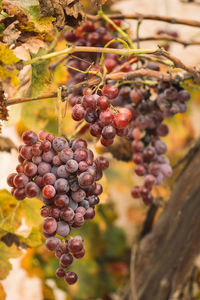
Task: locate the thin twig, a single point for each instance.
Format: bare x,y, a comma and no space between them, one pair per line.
167,38
137,16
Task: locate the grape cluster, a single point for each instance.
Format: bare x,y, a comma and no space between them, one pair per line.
146,131
63,175
104,121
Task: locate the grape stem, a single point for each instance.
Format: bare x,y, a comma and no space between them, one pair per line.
78,129
120,76
137,16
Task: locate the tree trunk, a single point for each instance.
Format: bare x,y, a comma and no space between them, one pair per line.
163,259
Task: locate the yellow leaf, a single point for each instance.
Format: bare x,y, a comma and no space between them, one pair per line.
7,56
5,74
5,254
2,293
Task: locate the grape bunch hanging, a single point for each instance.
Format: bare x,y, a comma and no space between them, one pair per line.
63,175
133,111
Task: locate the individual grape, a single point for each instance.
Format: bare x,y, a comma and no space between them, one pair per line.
57,161
20,180
44,168
84,204
70,36
79,195
183,95
30,169
46,146
81,210
160,147
121,120
79,254
78,112
103,102
106,116
50,137
72,204
153,66
108,132
137,146
61,185
102,163
48,191
149,153
60,272
48,156
71,166
80,154
63,229
29,137
62,172
110,91
140,170
37,149
89,101
149,181
90,213
148,199
49,178
49,225
20,159
93,38
166,170
98,190
67,214
137,158
32,190
85,179
66,154
137,134
110,64
82,165
59,144
163,130
95,129
66,260
135,192
106,143
78,219
42,134
10,179
52,243
61,201
136,96
75,245
36,160
45,212
19,193
39,181
79,143
71,278
55,212
26,152
91,116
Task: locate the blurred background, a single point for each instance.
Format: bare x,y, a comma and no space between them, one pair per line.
104,271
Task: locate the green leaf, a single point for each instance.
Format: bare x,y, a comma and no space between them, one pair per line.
40,75
5,254
7,56
116,242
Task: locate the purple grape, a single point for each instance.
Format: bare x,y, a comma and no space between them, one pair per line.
59,144
53,243
49,225
63,229
79,195
61,185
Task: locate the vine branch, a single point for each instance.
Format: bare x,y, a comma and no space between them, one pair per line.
137,16
167,38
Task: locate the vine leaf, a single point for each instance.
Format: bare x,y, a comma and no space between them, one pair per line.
99,3
5,254
66,12
2,292
40,75
29,209
6,144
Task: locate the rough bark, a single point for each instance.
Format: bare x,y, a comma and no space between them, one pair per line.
163,259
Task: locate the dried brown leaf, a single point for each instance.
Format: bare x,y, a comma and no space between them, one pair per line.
3,107
99,3
11,33
66,12
6,144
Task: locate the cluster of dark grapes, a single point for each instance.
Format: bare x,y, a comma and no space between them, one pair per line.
147,129
96,36
105,121
63,175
